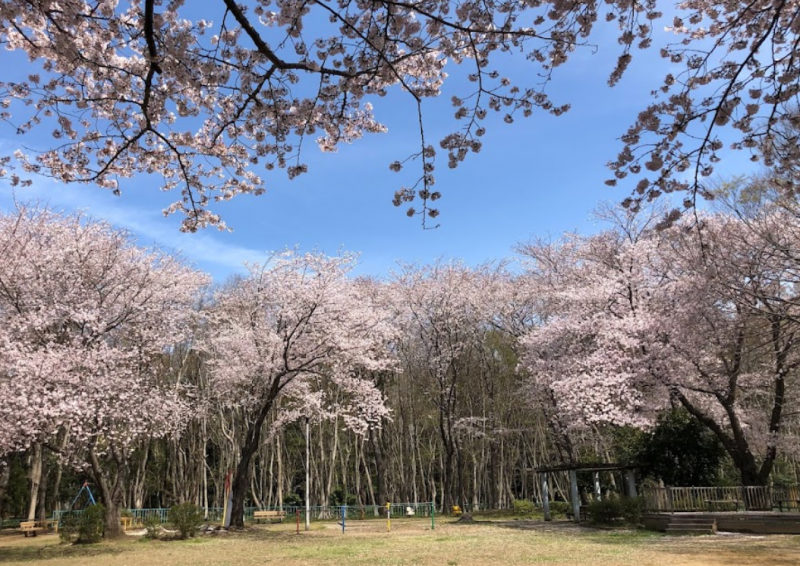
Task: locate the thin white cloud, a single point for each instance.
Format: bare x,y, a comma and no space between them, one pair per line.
147,224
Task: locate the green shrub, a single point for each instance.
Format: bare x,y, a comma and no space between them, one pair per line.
68,528
632,508
152,527
524,507
339,497
85,527
559,508
293,500
92,525
604,511
187,518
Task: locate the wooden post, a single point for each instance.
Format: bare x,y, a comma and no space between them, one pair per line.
573,492
630,482
597,492
545,497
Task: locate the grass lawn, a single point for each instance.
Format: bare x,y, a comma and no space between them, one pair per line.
412,543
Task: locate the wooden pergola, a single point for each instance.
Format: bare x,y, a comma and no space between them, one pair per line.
573,469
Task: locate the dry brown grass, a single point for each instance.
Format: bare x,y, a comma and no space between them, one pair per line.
412,543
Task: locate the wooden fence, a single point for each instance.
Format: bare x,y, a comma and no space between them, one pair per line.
751,498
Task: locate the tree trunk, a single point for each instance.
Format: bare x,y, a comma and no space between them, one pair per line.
111,492
55,497
139,480
379,456
241,477
41,507
35,478
5,476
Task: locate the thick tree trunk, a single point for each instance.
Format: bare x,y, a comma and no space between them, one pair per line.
5,476
55,497
113,527
35,478
111,493
735,444
41,506
241,477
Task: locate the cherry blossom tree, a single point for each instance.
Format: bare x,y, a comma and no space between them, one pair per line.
293,322
210,98
443,311
578,352
705,320
85,316
735,337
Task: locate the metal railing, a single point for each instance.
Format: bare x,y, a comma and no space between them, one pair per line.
737,498
316,512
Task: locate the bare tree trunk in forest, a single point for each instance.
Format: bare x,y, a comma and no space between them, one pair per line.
41,507
5,476
205,490
253,490
368,475
500,476
445,432
344,458
322,459
462,494
139,481
379,456
279,450
494,474
332,466
412,433
357,473
475,485
423,483
34,478
561,439
55,497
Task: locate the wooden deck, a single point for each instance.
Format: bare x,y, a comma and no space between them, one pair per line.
773,523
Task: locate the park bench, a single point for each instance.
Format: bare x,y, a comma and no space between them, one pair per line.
712,503
29,528
271,515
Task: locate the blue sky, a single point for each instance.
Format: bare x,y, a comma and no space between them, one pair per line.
539,176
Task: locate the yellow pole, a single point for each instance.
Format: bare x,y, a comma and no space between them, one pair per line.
388,516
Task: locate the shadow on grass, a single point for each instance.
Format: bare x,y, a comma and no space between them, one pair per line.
611,534
50,550
765,550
